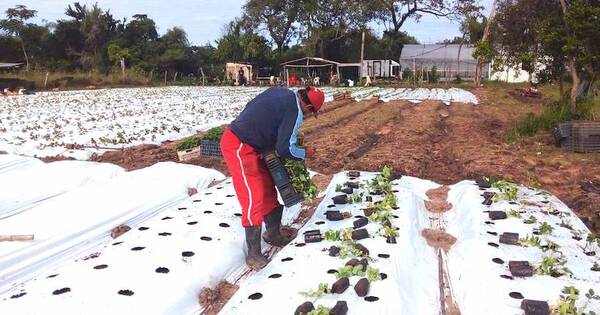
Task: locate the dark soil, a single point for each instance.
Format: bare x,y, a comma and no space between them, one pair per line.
213,300
438,239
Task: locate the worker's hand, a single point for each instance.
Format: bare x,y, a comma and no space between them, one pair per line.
309,152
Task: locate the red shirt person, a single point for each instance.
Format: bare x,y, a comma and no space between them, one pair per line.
271,121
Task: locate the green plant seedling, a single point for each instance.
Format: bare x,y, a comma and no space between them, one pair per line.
322,289
545,228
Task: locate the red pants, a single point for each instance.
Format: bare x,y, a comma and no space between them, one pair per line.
252,181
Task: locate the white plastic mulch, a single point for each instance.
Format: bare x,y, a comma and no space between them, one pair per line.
159,267
31,183
69,224
48,123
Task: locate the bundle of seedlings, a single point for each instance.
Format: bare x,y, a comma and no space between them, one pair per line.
300,178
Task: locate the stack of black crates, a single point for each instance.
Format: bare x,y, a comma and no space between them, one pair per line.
578,136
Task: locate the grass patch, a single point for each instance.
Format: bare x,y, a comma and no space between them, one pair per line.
553,114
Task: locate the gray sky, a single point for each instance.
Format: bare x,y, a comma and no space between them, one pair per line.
203,20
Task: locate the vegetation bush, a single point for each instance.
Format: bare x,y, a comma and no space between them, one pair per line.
553,114
214,134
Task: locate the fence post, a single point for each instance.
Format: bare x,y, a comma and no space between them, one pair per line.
46,80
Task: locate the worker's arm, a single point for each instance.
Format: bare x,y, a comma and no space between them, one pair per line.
287,135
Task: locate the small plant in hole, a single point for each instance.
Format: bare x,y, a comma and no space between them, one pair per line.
530,220
596,267
349,271
550,245
577,234
338,188
349,250
591,241
389,232
566,223
514,214
566,303
373,274
552,266
545,228
320,310
507,191
530,241
355,198
332,235
322,289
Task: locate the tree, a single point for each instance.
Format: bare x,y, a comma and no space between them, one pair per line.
555,34
485,56
14,25
118,54
278,16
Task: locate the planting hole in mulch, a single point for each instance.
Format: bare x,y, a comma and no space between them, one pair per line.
213,300
162,270
498,261
577,238
137,248
207,212
287,259
438,239
371,299
383,275
143,228
164,234
489,223
187,254
61,291
206,238
320,222
255,296
229,196
218,203
117,243
16,296
300,245
52,276
516,295
100,267
331,271
126,292
383,256
492,233
167,218
507,277
182,208
192,223
208,193
237,214
225,225
493,244
536,233
220,187
197,201
331,206
275,276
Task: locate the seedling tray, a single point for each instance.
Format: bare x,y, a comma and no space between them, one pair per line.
188,154
282,180
210,148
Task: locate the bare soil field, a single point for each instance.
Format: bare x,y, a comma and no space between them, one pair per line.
431,140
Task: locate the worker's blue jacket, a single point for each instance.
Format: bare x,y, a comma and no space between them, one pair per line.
271,121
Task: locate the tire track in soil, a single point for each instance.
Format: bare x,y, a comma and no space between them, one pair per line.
336,117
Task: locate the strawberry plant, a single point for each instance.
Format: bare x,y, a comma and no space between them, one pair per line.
514,214
214,134
566,303
332,235
545,229
373,274
389,232
187,143
531,220
320,310
532,241
507,191
348,250
322,289
552,266
349,271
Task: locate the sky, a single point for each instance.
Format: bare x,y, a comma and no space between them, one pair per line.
203,20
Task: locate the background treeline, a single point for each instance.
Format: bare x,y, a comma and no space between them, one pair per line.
90,40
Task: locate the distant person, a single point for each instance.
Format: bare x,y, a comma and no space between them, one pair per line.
368,81
317,81
271,121
302,81
242,78
293,80
272,80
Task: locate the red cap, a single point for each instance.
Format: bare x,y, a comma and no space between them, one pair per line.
316,97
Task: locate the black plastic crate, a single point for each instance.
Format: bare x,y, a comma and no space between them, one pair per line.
282,180
210,148
586,136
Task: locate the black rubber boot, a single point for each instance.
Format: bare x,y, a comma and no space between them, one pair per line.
254,259
273,226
